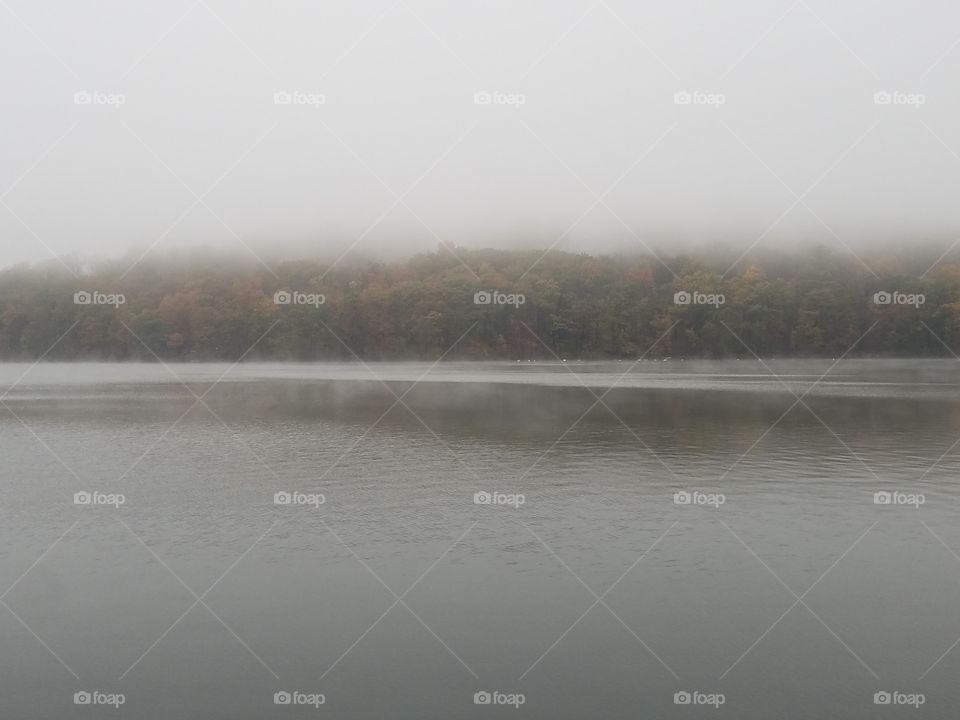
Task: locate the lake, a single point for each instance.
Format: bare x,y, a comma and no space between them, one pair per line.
735,539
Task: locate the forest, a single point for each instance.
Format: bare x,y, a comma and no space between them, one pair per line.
463,304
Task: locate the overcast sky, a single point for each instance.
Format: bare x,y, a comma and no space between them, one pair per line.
140,127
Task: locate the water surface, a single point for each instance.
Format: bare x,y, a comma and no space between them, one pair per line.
693,598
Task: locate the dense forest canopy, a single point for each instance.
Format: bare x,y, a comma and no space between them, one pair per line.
483,304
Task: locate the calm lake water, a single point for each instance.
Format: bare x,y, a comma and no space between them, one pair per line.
782,589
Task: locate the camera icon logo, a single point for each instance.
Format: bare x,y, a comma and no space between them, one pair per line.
282,697
282,498
82,698
682,298
682,698
882,698
882,98
482,298
482,698
682,498
882,298
282,98
82,298
482,97
282,297
682,98
482,498
82,498
82,98
882,497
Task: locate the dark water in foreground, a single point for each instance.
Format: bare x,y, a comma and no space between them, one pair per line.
199,597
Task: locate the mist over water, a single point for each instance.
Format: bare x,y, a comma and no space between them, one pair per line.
407,358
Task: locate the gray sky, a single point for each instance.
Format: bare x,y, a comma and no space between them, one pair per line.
584,105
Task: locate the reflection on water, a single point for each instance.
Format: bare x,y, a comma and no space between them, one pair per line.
797,597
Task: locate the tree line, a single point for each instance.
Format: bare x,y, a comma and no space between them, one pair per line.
483,304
